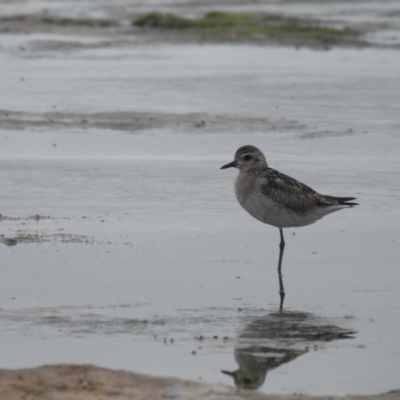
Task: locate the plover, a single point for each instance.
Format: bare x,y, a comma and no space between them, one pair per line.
277,199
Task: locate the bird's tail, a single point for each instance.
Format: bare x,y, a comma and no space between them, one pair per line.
346,201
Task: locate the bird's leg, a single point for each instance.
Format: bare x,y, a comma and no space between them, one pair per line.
281,288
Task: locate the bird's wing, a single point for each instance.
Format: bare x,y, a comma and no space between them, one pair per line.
291,193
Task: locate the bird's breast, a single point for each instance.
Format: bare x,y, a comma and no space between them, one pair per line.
250,197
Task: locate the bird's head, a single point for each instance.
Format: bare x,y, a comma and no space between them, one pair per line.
248,158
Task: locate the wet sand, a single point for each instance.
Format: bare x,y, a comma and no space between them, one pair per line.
88,382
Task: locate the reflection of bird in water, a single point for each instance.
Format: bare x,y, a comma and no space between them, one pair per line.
254,363
277,199
266,343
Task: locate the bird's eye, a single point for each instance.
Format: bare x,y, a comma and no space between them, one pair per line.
247,157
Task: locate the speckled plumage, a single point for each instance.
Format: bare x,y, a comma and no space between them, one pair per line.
277,199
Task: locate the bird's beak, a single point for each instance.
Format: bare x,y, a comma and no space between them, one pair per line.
232,374
232,164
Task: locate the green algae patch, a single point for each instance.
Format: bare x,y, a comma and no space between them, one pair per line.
164,21
228,25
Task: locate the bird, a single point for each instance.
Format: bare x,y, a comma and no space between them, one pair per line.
277,199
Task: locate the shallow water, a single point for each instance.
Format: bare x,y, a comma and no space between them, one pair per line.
163,240
132,250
